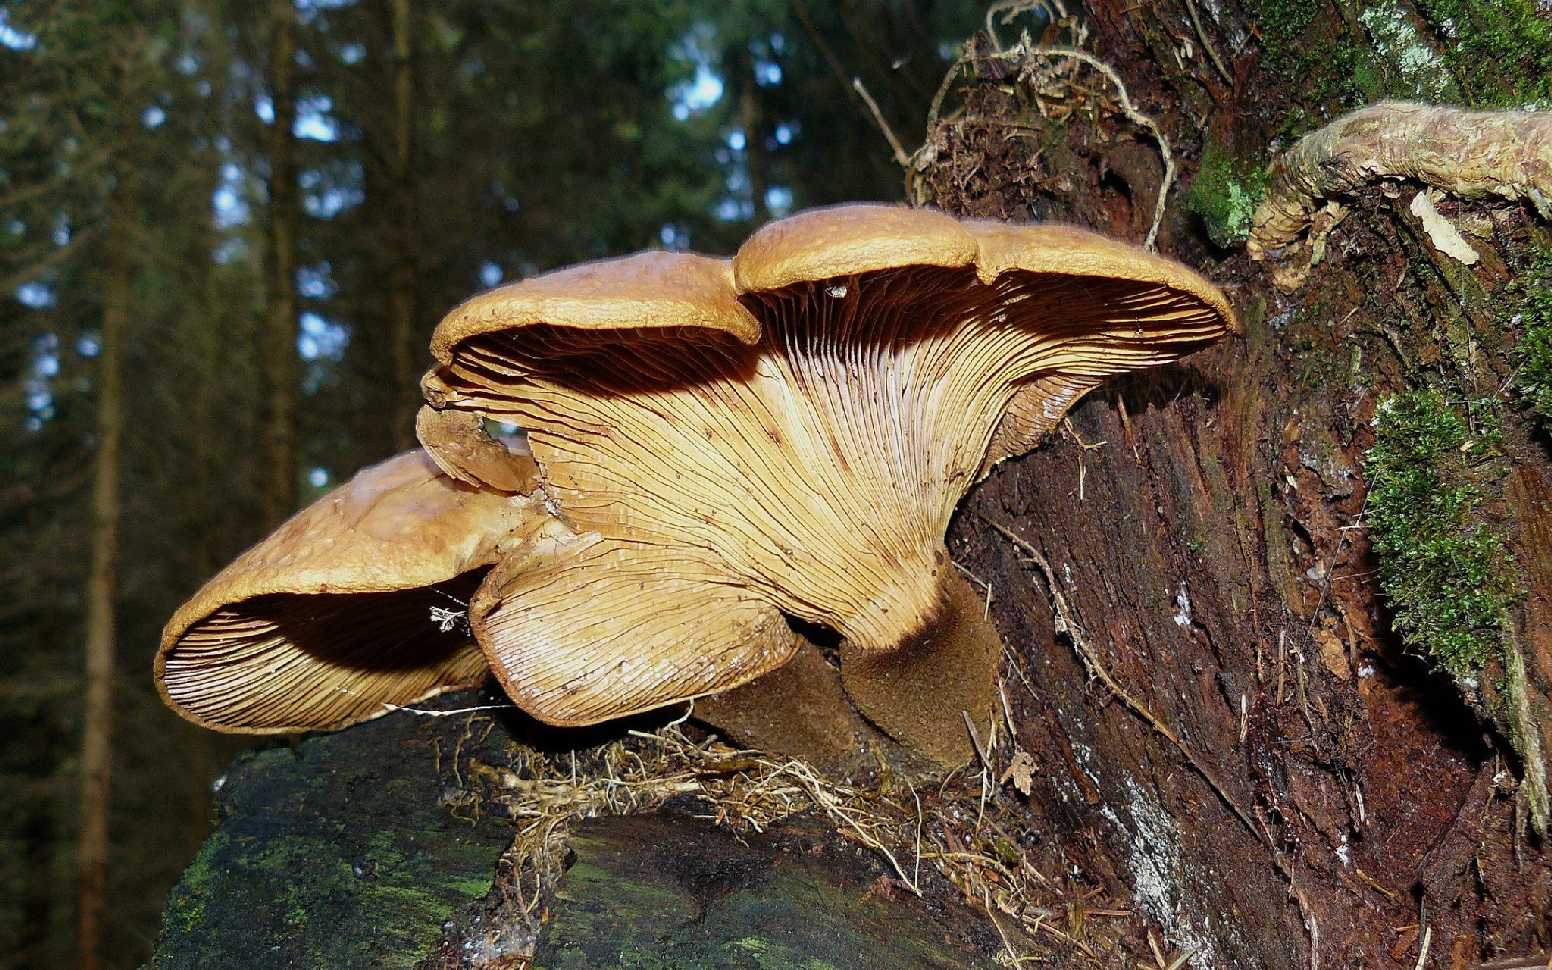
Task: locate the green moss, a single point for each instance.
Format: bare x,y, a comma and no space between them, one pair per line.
1448,576
1225,194
1499,50
186,902
1533,354
1484,53
1411,67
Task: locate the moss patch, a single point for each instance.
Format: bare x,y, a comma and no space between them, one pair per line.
1533,354
1500,51
667,892
1225,194
1447,574
339,855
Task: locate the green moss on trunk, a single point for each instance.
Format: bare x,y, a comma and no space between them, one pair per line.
1446,572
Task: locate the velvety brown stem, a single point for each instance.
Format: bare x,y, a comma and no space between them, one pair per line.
919,693
798,709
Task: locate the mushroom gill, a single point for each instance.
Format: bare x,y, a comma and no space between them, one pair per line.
790,433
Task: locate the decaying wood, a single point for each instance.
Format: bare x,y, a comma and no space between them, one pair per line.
1216,549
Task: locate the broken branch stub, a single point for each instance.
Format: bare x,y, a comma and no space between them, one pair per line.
1470,154
787,432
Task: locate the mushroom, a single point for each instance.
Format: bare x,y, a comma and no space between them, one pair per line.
355,604
786,435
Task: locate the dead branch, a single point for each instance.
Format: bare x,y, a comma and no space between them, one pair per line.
1471,154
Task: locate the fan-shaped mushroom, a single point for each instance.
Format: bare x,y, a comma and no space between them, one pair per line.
354,604
787,432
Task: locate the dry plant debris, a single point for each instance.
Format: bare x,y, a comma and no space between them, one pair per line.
934,840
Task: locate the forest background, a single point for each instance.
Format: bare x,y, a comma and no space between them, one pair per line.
226,231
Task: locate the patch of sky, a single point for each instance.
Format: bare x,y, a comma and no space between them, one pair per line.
674,237
187,64
16,40
321,338
16,227
736,139
778,199
490,273
88,345
352,53
316,282
38,296
227,201
310,9
153,116
767,73
730,209
705,87
313,120
62,231
325,196
317,477
228,250
264,108
785,132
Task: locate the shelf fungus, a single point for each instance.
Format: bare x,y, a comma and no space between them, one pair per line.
355,604
784,435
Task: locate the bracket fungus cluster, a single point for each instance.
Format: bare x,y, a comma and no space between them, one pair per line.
719,447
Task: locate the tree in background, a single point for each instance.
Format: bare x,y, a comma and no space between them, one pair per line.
259,242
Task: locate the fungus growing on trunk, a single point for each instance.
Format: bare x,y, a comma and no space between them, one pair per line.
355,603
786,434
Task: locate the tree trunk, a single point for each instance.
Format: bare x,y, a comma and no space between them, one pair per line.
406,346
280,360
751,117
1282,781
101,585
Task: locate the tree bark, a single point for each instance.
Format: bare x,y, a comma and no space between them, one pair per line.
101,586
280,356
403,288
1283,782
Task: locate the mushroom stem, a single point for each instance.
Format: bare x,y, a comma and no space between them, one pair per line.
799,709
919,693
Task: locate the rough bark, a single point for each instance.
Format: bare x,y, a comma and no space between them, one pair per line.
280,360
101,587
1280,782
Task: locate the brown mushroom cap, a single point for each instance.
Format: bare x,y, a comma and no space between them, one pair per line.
811,464
329,618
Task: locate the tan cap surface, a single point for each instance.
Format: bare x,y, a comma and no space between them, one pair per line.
847,240
329,618
650,290
459,444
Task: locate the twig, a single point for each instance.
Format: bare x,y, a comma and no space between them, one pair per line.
901,158
1212,52
1422,949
